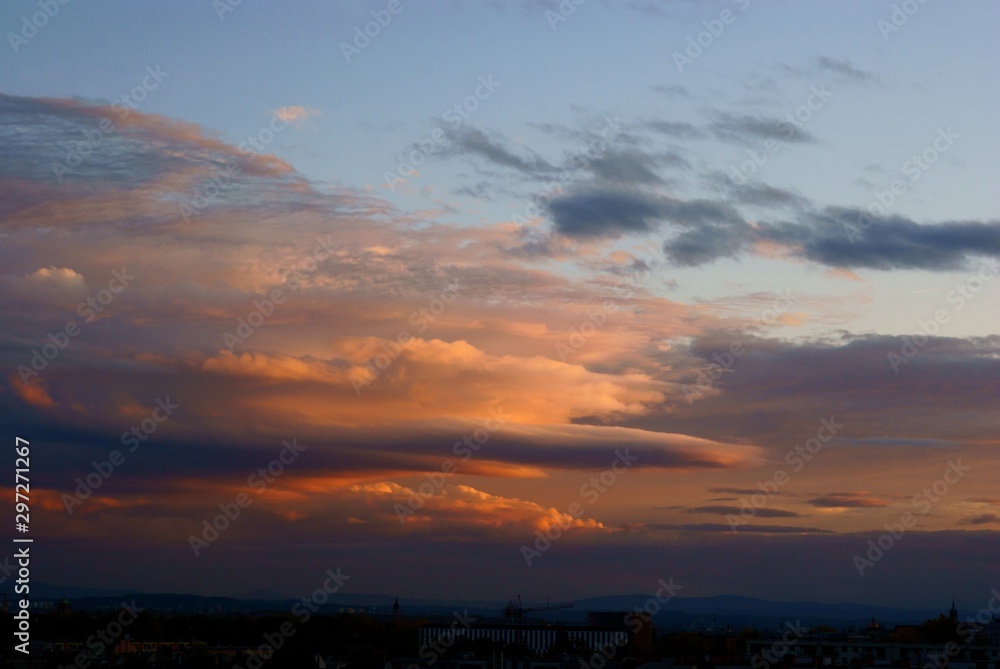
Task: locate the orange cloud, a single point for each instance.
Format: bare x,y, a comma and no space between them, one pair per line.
458,508
295,114
32,393
433,377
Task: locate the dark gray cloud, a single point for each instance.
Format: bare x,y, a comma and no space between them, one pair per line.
882,442
473,142
481,191
780,389
740,491
983,519
735,510
761,195
707,230
745,129
605,213
673,90
705,243
847,500
755,529
844,68
841,237
678,129
625,166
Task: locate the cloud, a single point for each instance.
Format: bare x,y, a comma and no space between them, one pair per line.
678,129
138,175
763,195
672,90
741,491
625,167
847,500
295,115
426,373
745,129
880,442
32,394
702,245
600,213
751,529
468,141
45,287
780,389
462,511
982,519
845,69
481,190
63,277
735,510
708,230
840,237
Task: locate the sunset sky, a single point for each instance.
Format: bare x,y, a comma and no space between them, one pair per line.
705,290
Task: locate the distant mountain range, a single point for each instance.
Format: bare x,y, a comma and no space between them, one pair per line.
679,613
750,611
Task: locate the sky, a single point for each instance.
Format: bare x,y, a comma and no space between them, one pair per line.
472,299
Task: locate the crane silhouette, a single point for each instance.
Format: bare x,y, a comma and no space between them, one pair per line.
517,612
